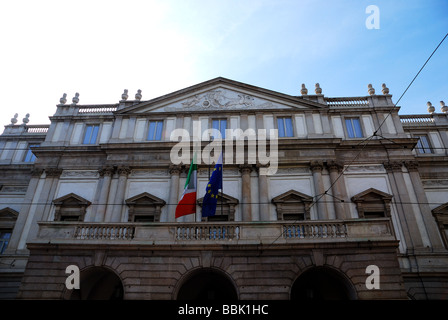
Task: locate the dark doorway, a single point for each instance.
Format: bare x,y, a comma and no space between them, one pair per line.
207,284
98,283
321,283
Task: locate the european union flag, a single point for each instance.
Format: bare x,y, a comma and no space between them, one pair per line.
211,192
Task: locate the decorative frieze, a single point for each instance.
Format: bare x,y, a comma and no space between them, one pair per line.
435,183
151,173
76,174
13,189
364,168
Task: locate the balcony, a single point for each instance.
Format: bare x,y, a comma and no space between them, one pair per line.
222,233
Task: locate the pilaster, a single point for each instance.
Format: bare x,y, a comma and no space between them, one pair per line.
246,207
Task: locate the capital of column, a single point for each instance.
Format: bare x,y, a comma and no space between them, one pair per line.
175,169
106,171
53,172
393,166
411,165
316,166
334,166
245,168
123,171
36,172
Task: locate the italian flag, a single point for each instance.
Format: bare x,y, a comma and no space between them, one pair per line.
187,203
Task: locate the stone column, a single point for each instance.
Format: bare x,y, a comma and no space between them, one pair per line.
106,173
263,195
24,212
119,196
430,224
246,201
405,212
41,210
174,192
321,198
337,190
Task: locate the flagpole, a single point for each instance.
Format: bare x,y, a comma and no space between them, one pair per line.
222,185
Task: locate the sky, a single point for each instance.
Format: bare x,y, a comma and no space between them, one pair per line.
99,48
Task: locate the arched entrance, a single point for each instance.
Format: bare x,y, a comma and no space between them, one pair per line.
322,283
98,283
207,284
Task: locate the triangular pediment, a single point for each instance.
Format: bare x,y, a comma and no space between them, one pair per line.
71,199
371,194
224,198
144,199
220,94
442,209
292,196
8,214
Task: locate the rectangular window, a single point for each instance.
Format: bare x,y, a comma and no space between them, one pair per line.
221,126
284,125
423,145
30,157
91,134
5,236
353,126
155,130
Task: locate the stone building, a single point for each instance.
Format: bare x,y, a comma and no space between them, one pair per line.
356,185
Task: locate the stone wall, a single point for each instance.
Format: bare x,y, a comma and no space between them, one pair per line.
257,272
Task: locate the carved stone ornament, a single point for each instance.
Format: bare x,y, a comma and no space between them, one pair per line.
334,166
53,172
79,174
26,119
123,171
304,90
245,168
63,99
223,99
124,96
106,171
316,166
431,108
443,107
175,169
385,89
411,165
75,99
370,90
393,166
318,89
138,95
14,119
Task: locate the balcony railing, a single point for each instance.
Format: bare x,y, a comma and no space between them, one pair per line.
220,232
97,109
417,120
347,102
38,128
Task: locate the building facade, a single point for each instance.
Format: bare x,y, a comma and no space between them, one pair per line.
355,191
